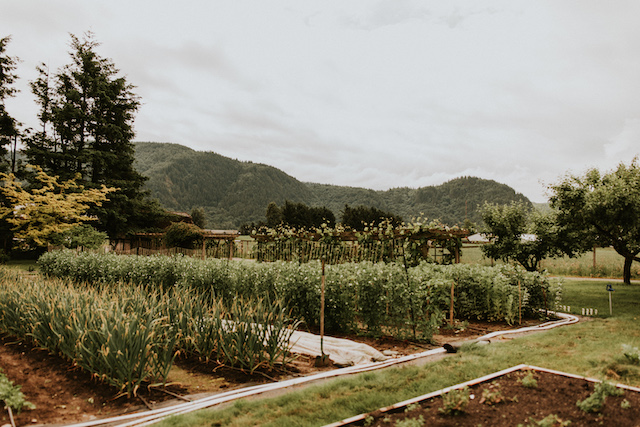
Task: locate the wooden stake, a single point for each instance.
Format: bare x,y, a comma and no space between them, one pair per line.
322,310
520,301
451,308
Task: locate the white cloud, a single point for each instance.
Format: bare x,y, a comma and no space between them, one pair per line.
379,94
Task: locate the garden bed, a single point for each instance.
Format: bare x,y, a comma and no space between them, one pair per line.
64,394
510,398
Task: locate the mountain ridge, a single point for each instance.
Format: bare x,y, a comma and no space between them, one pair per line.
234,192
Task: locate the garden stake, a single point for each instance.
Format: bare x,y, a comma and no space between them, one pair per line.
323,359
451,307
610,289
520,301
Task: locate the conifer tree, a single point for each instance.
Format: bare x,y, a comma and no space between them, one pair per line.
8,125
87,113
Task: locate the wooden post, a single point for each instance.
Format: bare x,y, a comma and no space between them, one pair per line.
451,305
520,302
322,310
594,258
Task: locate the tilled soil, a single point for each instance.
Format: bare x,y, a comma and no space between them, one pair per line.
507,402
64,394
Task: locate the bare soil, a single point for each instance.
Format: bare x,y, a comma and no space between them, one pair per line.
555,395
64,394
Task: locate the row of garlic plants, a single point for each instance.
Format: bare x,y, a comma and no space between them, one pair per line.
127,335
381,297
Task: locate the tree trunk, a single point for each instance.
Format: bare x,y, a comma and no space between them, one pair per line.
627,270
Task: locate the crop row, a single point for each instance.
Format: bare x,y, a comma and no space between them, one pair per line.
126,335
382,297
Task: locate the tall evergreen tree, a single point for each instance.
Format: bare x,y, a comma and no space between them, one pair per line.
8,125
87,113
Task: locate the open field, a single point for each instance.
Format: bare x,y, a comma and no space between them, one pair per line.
607,264
591,348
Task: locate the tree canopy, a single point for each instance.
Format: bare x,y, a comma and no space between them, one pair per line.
41,214
603,208
521,234
87,113
359,217
8,125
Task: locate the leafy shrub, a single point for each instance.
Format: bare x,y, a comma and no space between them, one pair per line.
183,235
595,401
12,396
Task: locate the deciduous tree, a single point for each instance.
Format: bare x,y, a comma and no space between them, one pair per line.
49,210
518,233
605,208
87,114
362,216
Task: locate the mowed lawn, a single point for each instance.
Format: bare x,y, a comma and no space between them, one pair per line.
591,348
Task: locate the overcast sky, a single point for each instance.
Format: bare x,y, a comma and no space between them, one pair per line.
376,94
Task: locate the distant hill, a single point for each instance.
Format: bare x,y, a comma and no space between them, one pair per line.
233,192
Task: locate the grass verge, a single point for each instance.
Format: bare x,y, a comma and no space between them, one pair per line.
592,348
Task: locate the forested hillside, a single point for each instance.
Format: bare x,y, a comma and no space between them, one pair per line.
233,193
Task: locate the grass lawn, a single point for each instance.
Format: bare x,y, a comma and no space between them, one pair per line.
591,348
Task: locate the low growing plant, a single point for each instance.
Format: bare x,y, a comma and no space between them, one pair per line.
455,401
549,421
631,353
411,422
595,401
528,381
492,395
12,396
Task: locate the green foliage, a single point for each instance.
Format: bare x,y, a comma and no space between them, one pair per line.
632,354
40,215
519,234
381,297
411,422
239,192
362,216
551,420
299,215
199,217
528,381
82,235
8,125
492,395
595,401
454,402
604,209
182,235
12,396
87,113
129,335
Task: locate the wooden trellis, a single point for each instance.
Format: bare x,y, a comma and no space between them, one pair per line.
351,246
